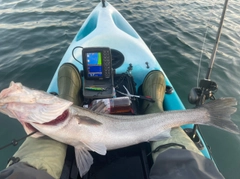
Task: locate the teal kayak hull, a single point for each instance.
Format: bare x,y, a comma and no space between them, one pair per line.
106,27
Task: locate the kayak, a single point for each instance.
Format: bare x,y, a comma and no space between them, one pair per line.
106,27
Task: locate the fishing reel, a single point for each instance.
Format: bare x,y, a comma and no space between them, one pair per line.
197,96
206,90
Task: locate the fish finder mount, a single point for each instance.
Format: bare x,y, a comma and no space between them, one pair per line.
97,72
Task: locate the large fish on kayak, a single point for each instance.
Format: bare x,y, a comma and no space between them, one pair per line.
90,131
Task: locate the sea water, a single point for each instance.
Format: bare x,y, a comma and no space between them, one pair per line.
35,34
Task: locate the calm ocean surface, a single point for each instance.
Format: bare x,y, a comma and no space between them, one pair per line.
34,35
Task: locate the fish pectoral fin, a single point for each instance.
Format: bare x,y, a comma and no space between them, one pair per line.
162,136
97,147
87,120
84,160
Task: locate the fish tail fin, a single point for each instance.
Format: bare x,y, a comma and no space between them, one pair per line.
220,111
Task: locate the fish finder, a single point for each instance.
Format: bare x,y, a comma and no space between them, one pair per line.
97,70
97,63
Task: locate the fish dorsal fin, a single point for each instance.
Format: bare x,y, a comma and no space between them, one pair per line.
84,160
162,136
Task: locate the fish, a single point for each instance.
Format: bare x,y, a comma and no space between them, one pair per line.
87,130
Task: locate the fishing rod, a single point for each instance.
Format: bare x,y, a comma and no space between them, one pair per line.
217,41
207,87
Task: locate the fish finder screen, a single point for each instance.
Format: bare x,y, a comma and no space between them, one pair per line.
94,64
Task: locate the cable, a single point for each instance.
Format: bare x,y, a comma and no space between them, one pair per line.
74,56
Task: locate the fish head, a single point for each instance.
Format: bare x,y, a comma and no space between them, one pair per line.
31,106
